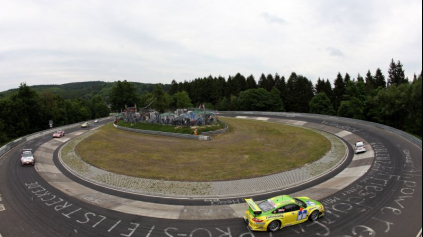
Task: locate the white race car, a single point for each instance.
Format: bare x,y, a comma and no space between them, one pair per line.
27,158
359,147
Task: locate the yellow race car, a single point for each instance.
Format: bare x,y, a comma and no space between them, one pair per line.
278,212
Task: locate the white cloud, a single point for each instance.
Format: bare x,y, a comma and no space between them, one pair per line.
149,41
335,52
273,18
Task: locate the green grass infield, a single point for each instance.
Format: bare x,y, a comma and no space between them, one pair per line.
249,149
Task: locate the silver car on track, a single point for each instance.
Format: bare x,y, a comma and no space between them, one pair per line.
359,147
27,158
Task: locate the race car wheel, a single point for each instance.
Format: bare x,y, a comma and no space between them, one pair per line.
274,226
314,216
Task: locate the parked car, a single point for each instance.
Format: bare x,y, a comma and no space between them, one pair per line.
27,158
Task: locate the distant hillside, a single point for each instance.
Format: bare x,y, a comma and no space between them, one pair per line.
85,90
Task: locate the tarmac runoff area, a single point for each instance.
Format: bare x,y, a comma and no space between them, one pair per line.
233,192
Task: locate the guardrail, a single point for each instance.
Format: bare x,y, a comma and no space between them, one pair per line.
19,141
398,132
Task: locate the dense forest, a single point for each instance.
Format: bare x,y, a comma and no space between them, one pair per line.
28,110
84,90
393,100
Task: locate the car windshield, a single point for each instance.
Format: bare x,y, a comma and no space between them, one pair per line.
27,155
267,205
300,203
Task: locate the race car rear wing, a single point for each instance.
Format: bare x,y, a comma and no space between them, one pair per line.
256,209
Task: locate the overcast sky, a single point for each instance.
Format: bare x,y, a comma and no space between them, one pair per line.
156,41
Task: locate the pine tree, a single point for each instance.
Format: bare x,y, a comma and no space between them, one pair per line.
281,86
251,82
370,81
396,75
299,94
360,78
263,83
270,82
379,79
347,78
338,91
174,88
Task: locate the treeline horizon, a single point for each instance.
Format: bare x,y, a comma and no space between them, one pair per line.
392,100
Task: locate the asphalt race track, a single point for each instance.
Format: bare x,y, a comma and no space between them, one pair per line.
386,201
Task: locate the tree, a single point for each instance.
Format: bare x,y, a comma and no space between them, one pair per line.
270,82
276,101
379,79
224,104
99,107
146,100
281,86
413,122
54,108
240,83
251,83
299,94
122,95
353,104
321,104
370,81
390,105
360,78
79,110
263,83
254,100
347,78
3,136
338,91
396,74
26,114
181,100
260,100
161,102
174,88
320,86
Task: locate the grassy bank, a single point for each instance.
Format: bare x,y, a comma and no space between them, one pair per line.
249,149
